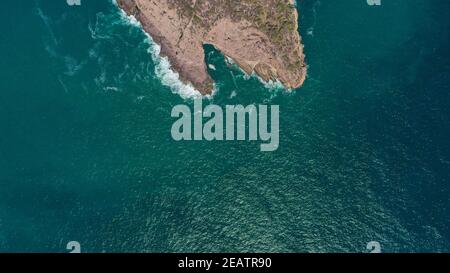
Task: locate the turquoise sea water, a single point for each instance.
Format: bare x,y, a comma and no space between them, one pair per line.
86,153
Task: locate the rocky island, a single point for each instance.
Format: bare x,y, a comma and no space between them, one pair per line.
260,36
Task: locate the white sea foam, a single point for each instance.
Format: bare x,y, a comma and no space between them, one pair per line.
111,88
311,29
47,23
132,20
271,85
72,65
63,84
163,69
114,2
169,77
95,30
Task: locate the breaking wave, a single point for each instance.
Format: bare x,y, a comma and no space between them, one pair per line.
271,85
169,77
163,68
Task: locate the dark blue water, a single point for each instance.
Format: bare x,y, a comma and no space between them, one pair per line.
86,153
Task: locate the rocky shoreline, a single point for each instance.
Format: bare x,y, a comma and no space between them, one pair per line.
261,36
